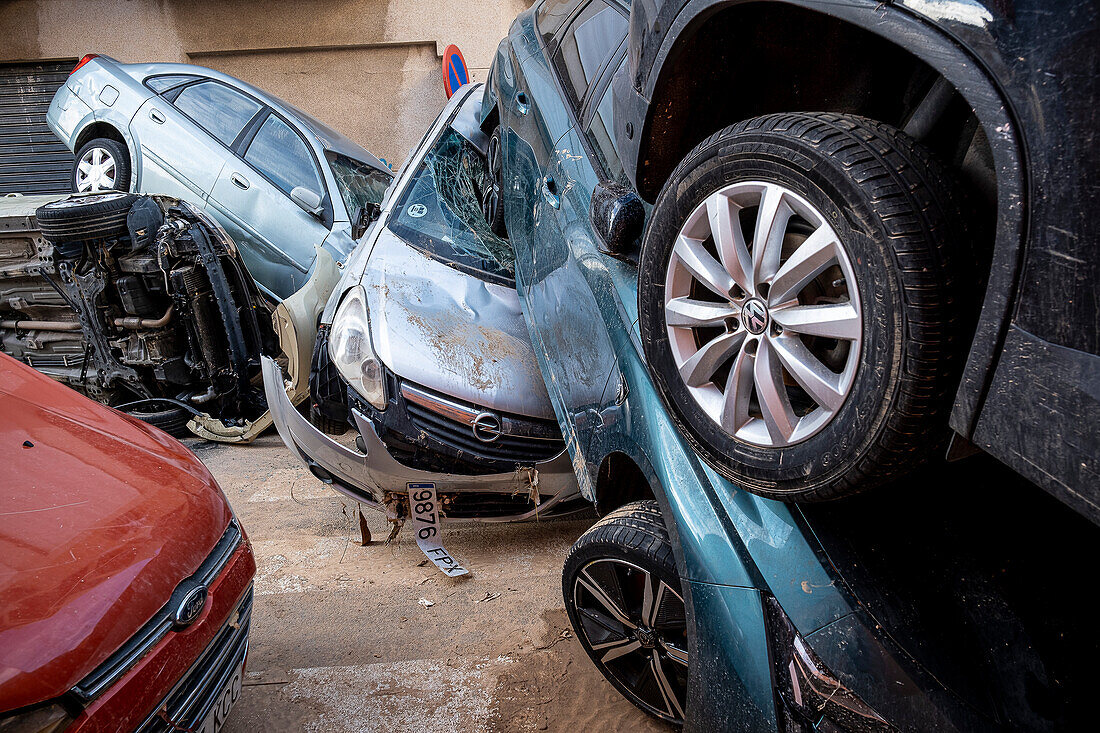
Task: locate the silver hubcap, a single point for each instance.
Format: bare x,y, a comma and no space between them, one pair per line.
96,171
635,624
763,314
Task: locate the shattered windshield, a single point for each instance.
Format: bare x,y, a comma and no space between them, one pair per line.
358,182
440,212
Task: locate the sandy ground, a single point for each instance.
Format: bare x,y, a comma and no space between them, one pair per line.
341,641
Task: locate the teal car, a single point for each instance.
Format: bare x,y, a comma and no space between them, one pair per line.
704,604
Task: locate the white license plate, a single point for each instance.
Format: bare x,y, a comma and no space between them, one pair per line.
215,719
427,524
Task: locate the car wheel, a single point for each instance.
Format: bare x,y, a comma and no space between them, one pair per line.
172,420
799,306
326,424
101,164
623,597
492,204
85,216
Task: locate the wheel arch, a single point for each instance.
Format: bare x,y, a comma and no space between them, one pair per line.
682,111
621,480
98,129
111,130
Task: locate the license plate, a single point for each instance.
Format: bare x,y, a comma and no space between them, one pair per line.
224,702
426,524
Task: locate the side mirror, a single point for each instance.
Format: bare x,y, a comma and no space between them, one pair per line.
367,213
310,201
618,218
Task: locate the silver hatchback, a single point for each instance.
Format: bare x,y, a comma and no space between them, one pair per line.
424,353
280,182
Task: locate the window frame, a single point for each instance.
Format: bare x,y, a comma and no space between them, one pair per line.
240,147
254,131
582,119
171,95
244,138
554,33
591,106
551,52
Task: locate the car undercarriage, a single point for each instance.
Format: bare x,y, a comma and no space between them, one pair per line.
140,302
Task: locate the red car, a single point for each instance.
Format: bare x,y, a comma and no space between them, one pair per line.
125,578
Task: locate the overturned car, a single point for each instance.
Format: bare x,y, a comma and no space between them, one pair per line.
424,352
140,302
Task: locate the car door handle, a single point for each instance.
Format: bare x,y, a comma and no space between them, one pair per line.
522,105
156,116
550,191
239,181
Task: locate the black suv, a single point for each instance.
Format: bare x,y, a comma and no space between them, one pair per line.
872,221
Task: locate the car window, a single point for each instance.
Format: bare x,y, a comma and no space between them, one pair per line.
358,182
601,133
588,41
161,84
220,110
551,14
439,211
282,156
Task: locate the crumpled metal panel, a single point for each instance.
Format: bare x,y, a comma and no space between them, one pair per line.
451,332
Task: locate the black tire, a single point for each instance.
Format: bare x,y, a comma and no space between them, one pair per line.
328,397
326,424
492,202
118,153
85,216
169,418
897,213
616,554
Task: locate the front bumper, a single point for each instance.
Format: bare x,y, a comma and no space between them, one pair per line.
184,671
365,476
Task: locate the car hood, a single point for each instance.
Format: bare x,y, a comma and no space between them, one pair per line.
101,516
450,331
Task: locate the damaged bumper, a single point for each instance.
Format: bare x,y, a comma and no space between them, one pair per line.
365,476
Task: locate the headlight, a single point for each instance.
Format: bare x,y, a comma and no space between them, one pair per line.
45,719
349,348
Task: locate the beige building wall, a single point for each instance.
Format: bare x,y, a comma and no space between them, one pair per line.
371,69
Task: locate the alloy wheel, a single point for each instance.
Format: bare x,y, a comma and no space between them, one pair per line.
635,625
763,314
96,171
490,200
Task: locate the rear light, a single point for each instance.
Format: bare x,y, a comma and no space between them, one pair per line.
811,698
86,59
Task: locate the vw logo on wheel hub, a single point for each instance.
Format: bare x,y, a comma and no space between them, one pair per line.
754,315
486,427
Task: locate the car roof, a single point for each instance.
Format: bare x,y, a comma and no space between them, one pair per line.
325,137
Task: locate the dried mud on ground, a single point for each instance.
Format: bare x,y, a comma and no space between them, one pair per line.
341,642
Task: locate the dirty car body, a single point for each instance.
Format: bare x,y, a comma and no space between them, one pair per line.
231,149
787,627
126,578
424,352
284,186
1014,69
140,301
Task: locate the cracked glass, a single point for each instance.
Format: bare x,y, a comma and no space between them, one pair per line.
440,213
358,182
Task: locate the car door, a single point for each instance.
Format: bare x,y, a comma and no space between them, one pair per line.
185,133
251,196
563,277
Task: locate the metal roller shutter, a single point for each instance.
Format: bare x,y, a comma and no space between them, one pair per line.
32,160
